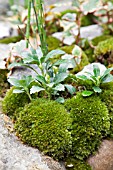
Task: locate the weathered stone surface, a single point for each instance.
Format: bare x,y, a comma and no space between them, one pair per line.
88,32
14,155
4,53
103,160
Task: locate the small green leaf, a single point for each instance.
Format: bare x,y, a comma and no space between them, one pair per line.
52,53
76,3
40,79
77,51
96,70
59,87
97,89
13,81
82,77
60,100
70,89
35,89
60,77
15,64
86,93
18,91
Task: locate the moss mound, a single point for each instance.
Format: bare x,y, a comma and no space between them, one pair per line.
99,39
104,50
44,124
107,97
13,101
90,122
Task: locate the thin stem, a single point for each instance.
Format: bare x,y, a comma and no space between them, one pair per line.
28,23
11,2
29,95
40,26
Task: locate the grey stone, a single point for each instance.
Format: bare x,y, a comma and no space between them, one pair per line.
4,53
88,32
14,155
103,159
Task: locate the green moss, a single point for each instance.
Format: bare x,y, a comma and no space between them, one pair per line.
90,122
104,51
11,39
4,85
52,43
107,97
99,39
87,20
13,101
44,124
77,164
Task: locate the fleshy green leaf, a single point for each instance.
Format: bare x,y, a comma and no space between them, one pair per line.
15,64
14,81
77,51
52,53
106,73
76,3
35,89
96,70
60,77
86,93
59,87
40,79
70,89
82,77
18,91
60,100
106,79
97,89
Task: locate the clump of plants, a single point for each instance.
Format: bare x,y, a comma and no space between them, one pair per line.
95,74
90,123
45,125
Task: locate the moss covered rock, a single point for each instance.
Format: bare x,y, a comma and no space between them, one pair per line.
107,97
44,124
90,122
13,101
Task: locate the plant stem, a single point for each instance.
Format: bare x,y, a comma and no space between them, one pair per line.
29,95
25,3
40,26
28,23
11,2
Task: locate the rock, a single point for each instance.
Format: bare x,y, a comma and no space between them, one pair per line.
7,29
88,32
103,160
4,53
14,155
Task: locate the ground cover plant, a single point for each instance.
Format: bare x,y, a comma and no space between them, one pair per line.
65,108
